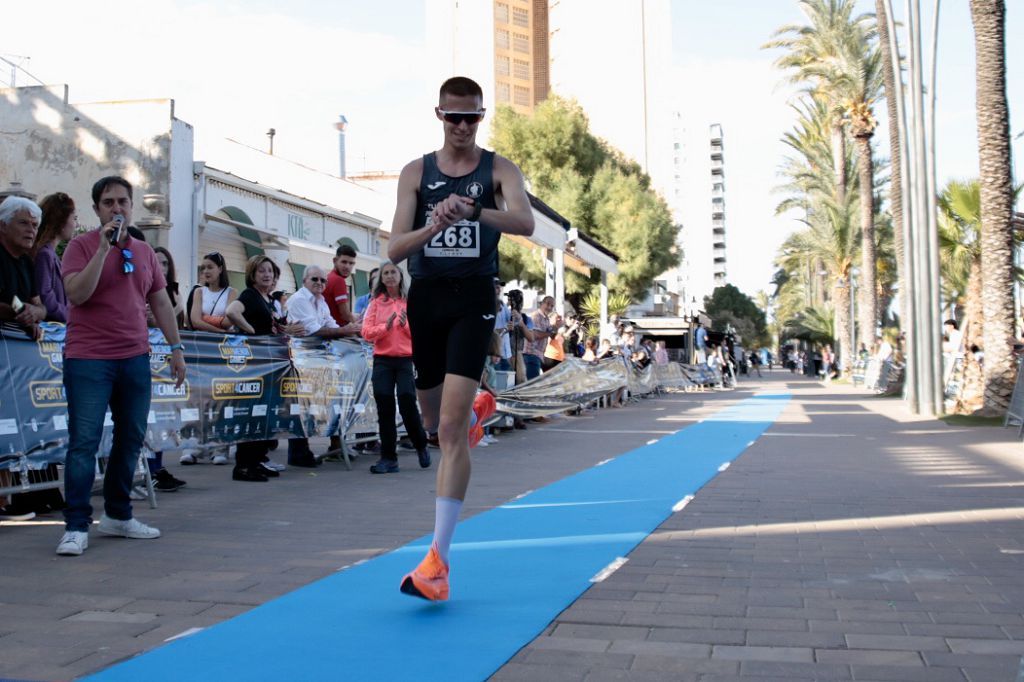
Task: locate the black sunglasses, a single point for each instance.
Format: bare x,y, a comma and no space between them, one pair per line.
457,117
322,280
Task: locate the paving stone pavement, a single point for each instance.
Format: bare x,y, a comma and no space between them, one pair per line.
852,541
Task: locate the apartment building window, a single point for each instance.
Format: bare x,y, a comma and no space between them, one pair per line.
501,39
522,69
520,17
522,96
501,65
501,93
520,42
501,13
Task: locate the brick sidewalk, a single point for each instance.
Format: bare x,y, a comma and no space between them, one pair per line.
852,541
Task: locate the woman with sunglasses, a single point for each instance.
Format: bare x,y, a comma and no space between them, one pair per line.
209,308
386,326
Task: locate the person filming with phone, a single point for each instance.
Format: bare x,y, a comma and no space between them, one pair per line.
109,278
19,300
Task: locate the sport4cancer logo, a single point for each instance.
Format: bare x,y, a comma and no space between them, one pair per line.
51,344
235,351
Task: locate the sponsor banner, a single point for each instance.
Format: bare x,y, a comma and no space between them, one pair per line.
237,388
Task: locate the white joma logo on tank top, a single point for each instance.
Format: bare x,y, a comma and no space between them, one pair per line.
435,185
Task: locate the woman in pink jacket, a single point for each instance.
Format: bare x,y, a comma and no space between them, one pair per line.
386,325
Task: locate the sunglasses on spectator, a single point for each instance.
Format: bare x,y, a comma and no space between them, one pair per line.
321,280
215,257
457,117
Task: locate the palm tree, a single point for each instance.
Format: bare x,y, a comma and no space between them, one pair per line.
808,50
960,257
889,70
859,78
989,19
830,239
836,54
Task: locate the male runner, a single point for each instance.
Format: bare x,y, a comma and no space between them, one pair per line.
448,223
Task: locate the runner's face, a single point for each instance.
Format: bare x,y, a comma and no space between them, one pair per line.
461,135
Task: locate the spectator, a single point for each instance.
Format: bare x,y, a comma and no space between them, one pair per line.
554,353
660,353
58,224
590,349
575,333
106,363
309,315
165,482
166,261
208,313
254,314
19,298
755,362
700,337
503,327
363,302
543,331
606,349
386,325
336,294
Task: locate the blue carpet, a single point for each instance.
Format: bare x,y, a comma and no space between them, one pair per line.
515,568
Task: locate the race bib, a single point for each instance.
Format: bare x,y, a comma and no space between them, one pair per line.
459,240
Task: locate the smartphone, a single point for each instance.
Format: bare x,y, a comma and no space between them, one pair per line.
17,305
115,236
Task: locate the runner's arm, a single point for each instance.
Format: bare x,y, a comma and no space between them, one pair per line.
404,241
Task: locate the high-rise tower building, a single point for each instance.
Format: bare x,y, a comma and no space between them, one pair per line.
718,203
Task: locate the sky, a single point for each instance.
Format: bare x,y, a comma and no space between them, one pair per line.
237,68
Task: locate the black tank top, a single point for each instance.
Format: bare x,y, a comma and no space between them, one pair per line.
465,249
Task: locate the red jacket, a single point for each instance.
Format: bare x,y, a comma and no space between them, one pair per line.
395,342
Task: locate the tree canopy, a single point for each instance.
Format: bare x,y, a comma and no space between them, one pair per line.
726,304
603,194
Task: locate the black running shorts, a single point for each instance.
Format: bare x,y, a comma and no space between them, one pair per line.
451,322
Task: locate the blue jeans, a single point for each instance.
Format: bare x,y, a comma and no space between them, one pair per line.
91,386
532,365
504,365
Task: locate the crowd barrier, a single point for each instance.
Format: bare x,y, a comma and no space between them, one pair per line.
241,388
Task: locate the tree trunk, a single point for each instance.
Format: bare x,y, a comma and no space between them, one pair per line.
890,64
869,263
839,159
989,19
972,391
841,309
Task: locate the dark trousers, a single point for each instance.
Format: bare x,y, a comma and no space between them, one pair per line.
92,386
249,455
391,376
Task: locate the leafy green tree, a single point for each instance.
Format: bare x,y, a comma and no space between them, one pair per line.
603,194
727,303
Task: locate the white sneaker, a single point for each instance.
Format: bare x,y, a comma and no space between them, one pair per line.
187,459
220,459
139,492
276,466
73,543
132,528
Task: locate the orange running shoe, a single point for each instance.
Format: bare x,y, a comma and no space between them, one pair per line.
430,579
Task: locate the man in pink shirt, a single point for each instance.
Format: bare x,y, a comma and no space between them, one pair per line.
106,362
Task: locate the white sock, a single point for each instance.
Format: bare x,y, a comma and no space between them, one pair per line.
446,515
